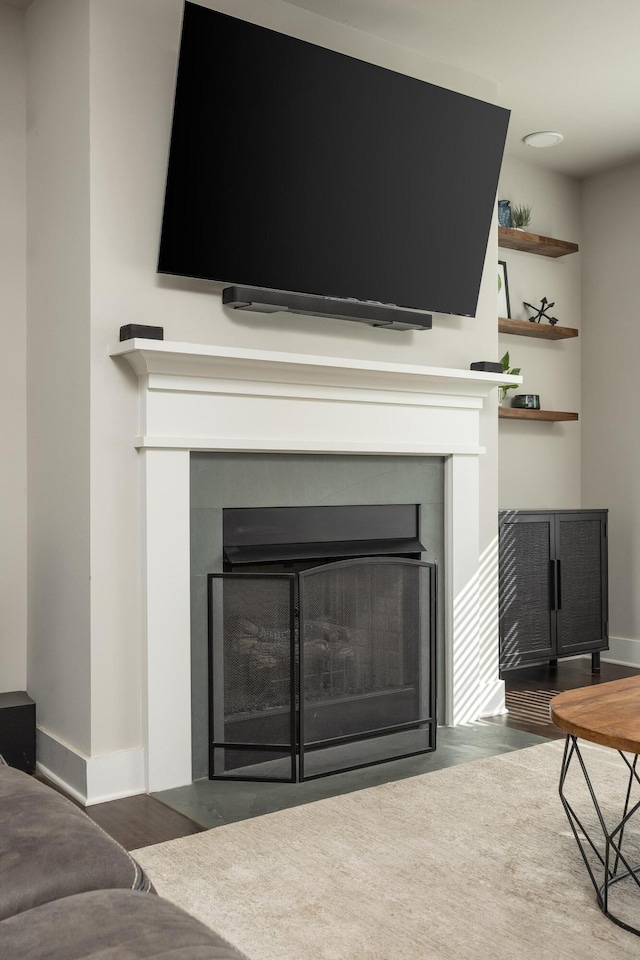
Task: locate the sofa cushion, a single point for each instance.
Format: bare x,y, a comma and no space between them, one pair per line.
49,848
111,925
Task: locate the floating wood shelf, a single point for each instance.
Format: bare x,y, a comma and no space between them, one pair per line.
534,243
515,413
543,331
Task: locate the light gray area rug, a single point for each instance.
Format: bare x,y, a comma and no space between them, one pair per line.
474,862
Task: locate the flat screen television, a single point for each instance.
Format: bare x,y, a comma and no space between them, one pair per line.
304,171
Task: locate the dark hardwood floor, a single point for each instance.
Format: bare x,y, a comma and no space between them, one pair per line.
138,821
529,690
142,820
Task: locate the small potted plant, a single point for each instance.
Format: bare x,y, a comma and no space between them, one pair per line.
520,217
512,372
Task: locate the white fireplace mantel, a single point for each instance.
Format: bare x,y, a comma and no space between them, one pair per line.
202,397
204,360
188,370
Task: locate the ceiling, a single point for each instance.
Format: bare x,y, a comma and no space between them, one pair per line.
566,65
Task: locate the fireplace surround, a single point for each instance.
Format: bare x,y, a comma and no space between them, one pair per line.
286,512
196,397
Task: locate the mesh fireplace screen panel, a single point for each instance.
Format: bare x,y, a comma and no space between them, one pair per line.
366,752
348,676
365,649
252,671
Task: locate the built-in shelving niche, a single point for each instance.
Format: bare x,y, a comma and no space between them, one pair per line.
544,247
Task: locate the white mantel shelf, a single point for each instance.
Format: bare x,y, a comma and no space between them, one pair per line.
148,357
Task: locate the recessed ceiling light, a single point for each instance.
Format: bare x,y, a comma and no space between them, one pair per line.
543,138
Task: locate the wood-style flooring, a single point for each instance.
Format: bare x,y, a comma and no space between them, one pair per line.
529,690
142,820
138,821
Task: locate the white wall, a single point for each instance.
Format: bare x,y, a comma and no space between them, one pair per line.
540,462
611,360
59,655
13,334
101,82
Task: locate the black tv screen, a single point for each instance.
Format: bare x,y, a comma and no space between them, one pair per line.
297,168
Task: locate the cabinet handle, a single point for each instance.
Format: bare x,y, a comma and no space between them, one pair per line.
552,582
558,585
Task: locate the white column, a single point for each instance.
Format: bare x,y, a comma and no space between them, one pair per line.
462,621
167,617
490,687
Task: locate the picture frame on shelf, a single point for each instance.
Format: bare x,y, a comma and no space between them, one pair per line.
504,307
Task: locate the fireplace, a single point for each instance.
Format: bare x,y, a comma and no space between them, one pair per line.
322,641
200,397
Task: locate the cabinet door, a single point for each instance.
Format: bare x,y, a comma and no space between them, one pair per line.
527,615
581,551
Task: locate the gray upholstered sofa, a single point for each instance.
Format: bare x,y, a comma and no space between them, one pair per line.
69,891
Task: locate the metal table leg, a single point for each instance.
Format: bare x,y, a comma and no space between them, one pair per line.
615,866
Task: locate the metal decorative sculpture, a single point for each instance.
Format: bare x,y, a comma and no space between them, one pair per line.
541,311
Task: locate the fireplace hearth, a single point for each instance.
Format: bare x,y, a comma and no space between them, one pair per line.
320,664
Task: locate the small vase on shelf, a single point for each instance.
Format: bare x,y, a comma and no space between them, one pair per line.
504,213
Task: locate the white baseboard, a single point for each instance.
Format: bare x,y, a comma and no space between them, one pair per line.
116,775
59,782
62,764
88,779
492,697
624,651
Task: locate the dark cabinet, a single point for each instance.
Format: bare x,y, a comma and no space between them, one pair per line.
553,585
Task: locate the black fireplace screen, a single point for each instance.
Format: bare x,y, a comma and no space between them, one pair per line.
325,670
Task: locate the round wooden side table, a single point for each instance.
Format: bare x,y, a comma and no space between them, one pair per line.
607,714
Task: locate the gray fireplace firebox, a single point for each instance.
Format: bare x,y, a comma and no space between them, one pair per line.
322,642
